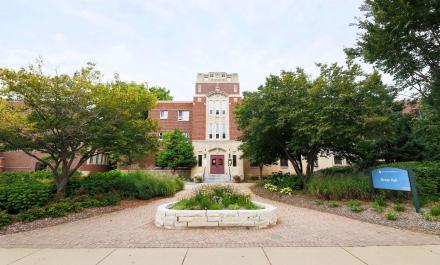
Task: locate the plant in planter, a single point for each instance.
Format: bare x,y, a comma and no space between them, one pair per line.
236,179
197,179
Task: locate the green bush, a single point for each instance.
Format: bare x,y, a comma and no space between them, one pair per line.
5,218
391,215
32,214
355,206
216,197
340,187
377,207
435,211
336,170
22,195
284,180
398,207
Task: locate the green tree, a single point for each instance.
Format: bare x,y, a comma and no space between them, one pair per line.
176,151
338,112
161,93
402,38
72,118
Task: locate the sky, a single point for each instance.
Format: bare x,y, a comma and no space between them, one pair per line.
166,43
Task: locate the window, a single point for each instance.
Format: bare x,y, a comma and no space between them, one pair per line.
224,131
186,134
199,160
40,166
211,130
164,114
337,160
98,160
217,107
183,115
223,107
234,160
217,135
283,162
211,107
160,136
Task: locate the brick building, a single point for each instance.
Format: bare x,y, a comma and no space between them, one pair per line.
207,121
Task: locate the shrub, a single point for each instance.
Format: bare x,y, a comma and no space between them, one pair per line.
336,170
340,187
398,207
380,201
355,206
333,204
271,187
391,215
435,211
236,179
281,180
197,179
377,207
24,194
286,191
5,218
32,214
216,197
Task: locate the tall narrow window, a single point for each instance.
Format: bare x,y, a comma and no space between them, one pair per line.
224,131
186,134
164,114
210,130
211,107
223,107
160,136
234,160
217,134
199,160
217,107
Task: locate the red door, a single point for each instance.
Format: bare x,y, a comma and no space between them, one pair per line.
217,164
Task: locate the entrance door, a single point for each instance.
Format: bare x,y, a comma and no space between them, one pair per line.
217,164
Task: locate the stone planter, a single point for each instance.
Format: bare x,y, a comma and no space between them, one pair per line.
181,219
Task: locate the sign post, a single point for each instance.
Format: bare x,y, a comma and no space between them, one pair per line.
388,178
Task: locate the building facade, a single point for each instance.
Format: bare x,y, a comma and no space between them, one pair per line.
207,121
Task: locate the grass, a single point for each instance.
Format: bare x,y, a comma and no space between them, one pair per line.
216,197
377,207
333,204
355,206
398,207
391,215
340,187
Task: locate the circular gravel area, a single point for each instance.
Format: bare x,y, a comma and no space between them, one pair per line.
134,227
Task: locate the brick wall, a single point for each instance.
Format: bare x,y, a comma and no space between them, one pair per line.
18,161
228,88
199,119
233,129
172,123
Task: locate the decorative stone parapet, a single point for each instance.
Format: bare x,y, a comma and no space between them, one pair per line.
181,219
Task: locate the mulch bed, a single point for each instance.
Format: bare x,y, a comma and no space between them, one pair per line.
408,220
71,217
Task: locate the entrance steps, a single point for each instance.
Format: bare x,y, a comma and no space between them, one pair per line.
217,178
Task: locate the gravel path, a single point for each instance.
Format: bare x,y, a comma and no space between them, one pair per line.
134,227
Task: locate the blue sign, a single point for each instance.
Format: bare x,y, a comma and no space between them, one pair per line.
391,179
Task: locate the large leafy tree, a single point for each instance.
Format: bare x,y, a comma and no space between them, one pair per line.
257,148
63,120
177,151
402,38
161,93
339,112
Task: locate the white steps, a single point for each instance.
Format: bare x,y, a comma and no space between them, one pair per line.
216,178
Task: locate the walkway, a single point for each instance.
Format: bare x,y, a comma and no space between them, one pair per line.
409,255
134,228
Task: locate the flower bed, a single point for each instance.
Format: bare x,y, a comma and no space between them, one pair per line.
169,218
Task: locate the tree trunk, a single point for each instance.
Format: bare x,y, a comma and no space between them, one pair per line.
261,172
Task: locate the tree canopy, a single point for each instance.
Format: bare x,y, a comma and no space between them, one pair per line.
161,93
402,38
177,151
70,118
300,118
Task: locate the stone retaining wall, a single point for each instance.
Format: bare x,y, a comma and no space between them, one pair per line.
181,219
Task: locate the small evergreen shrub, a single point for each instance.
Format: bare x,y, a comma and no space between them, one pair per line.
355,206
5,218
398,207
391,216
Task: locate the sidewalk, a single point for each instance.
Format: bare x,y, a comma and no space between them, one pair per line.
374,255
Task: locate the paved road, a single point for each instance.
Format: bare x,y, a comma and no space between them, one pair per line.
134,227
402,255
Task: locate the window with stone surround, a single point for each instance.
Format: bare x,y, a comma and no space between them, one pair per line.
284,162
98,160
223,107
211,107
